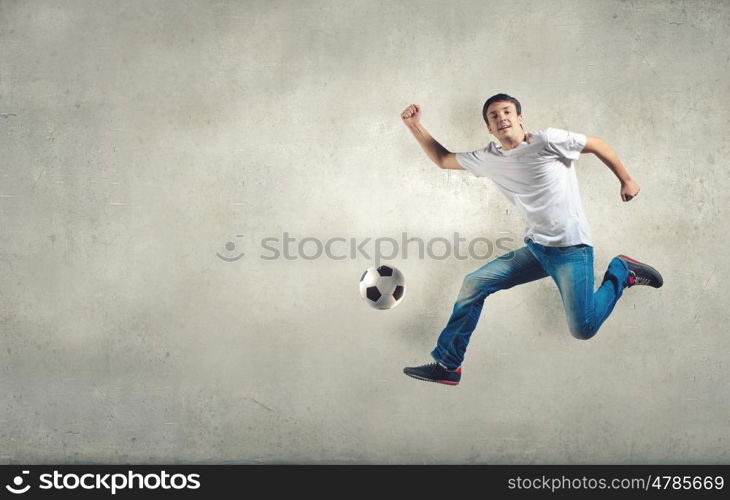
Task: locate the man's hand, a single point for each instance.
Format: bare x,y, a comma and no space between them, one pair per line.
411,115
629,190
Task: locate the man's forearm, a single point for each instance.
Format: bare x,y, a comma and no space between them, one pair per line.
609,157
431,146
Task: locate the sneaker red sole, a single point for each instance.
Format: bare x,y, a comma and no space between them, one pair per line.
626,257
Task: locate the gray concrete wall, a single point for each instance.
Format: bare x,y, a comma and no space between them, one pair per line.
140,142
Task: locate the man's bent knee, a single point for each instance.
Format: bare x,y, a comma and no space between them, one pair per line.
475,286
583,332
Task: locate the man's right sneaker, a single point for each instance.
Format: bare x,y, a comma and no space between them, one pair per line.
642,274
434,372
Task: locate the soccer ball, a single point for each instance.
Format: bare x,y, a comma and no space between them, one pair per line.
382,287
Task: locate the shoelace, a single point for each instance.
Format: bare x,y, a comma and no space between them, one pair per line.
640,280
431,367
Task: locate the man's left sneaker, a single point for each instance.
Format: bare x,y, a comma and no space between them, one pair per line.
434,372
642,274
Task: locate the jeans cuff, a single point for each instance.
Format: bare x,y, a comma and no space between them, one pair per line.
442,362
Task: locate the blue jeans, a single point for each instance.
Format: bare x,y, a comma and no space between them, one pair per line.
570,267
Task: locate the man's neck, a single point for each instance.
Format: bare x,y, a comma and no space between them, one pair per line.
508,144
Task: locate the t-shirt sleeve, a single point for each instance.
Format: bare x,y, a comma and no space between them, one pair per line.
473,161
564,143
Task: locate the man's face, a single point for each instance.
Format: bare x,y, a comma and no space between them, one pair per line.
503,122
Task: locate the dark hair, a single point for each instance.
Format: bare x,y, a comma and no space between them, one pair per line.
498,98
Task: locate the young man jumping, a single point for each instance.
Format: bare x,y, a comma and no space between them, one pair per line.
535,172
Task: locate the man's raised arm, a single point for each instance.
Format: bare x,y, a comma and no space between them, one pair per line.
629,188
442,157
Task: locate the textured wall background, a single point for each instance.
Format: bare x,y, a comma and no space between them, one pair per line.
140,140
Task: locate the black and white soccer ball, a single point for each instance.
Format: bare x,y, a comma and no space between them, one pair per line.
382,287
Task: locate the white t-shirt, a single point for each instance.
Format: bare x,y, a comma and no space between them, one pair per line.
538,177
